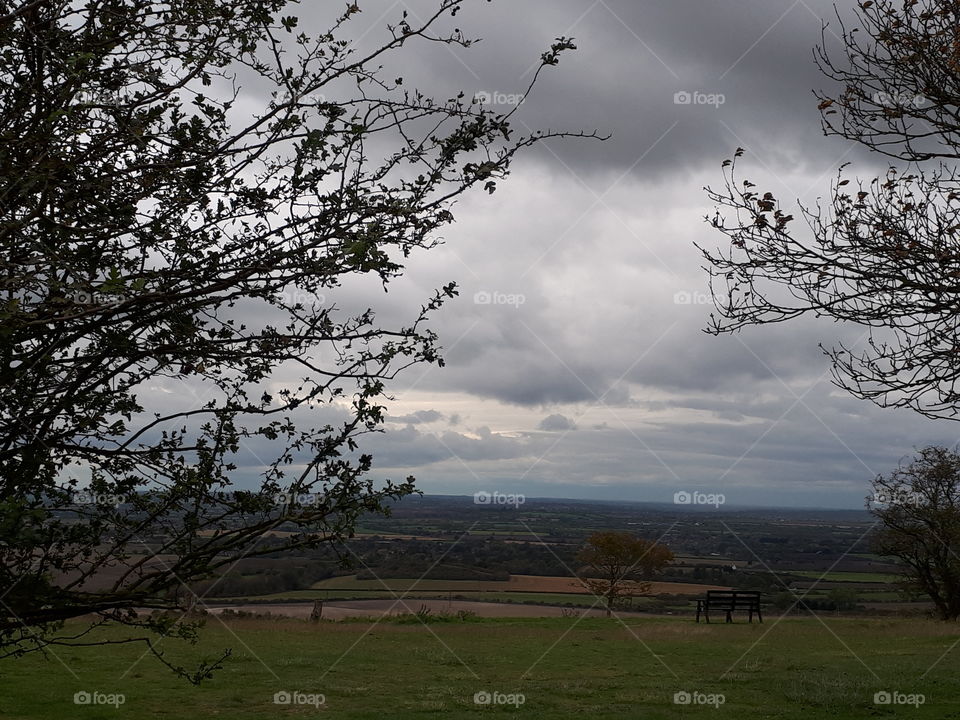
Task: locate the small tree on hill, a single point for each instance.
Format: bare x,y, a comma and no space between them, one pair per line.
918,507
618,565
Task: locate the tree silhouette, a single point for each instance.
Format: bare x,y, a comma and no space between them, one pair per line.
618,565
880,253
183,188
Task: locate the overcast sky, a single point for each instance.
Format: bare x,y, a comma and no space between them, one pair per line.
576,365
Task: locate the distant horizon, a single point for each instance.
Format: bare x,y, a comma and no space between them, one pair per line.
698,509
575,362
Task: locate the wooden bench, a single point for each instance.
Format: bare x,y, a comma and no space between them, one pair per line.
729,601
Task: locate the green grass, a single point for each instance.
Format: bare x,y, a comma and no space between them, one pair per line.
595,668
848,576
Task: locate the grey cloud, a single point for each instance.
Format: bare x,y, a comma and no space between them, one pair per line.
418,417
557,423
600,246
409,447
632,59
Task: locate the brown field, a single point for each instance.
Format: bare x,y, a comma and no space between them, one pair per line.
268,533
392,536
516,583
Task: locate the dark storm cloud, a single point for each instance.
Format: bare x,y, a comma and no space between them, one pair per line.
634,63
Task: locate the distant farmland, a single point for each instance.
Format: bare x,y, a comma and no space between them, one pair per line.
516,583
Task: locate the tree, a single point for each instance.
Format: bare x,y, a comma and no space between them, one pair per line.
882,253
619,564
918,509
161,222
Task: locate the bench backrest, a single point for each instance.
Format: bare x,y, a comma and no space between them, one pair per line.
733,598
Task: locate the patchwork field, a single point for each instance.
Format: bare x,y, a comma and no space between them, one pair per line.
516,583
651,668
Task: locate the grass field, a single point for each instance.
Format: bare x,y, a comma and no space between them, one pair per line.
848,576
564,668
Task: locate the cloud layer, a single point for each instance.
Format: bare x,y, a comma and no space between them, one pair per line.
576,365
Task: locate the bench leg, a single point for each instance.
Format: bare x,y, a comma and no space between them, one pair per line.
729,618
759,615
750,616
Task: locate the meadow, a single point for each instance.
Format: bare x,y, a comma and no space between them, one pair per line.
649,667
